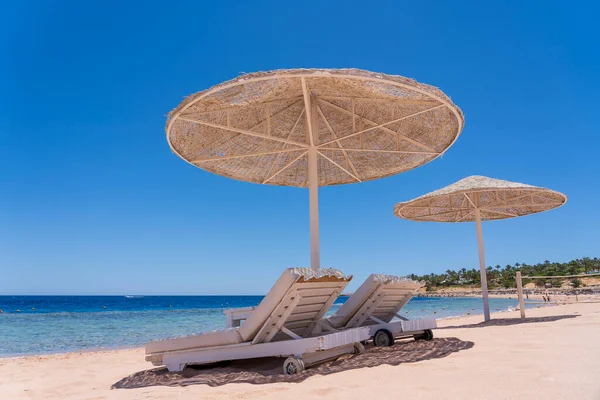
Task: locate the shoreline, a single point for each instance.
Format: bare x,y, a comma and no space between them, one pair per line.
118,348
467,357
76,331
530,305
141,347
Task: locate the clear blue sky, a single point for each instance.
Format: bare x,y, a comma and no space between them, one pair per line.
92,201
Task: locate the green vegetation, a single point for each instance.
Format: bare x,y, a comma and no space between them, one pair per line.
499,277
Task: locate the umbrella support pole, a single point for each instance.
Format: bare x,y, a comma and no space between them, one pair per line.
311,108
484,288
313,194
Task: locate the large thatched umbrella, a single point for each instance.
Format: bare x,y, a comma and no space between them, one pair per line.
478,198
313,127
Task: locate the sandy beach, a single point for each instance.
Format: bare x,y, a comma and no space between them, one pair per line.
553,355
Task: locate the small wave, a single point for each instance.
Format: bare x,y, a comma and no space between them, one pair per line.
133,297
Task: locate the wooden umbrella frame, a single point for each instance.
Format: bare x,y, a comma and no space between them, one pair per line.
319,146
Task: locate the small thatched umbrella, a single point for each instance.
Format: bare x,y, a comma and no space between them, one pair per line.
478,198
313,127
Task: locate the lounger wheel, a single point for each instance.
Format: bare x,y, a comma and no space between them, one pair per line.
426,335
292,366
359,348
383,338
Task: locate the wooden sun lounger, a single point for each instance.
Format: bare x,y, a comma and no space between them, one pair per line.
282,325
374,305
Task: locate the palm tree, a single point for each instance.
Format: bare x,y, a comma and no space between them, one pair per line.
588,264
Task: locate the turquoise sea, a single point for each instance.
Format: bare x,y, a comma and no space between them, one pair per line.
54,324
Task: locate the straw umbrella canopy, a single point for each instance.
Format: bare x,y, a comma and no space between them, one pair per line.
313,127
478,198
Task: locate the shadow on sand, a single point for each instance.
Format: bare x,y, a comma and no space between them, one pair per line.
512,321
269,370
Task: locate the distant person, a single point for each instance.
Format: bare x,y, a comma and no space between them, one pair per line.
546,296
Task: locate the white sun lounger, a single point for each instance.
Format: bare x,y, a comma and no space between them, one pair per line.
374,304
282,325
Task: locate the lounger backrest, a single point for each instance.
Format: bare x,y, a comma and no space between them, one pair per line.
380,296
299,298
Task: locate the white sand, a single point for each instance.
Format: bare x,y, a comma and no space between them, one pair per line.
555,356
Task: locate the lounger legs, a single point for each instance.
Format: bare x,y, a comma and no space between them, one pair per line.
175,367
383,338
359,348
295,365
426,335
